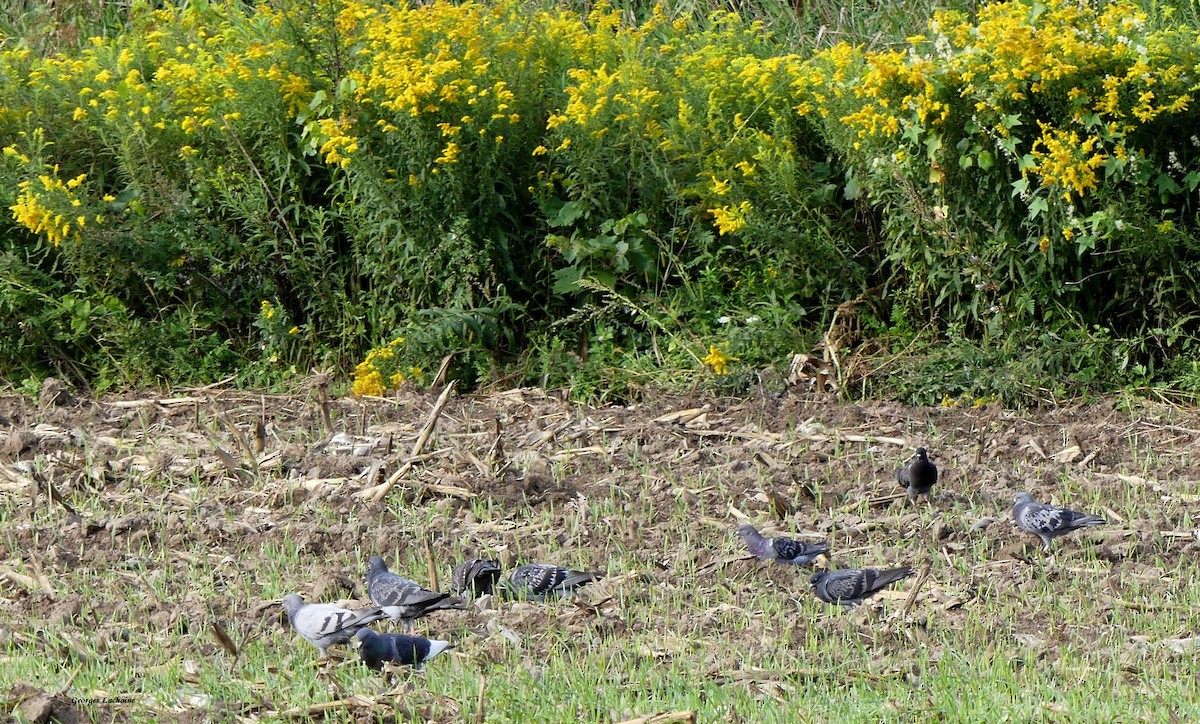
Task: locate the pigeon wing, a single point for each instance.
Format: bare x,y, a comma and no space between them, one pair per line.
539,579
389,589
847,586
790,550
316,621
477,576
1037,518
408,650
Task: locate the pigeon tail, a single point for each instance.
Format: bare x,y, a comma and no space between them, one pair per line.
890,576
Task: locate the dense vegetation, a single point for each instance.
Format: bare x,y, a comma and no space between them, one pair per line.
983,202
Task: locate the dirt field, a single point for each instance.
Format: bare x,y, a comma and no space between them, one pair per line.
148,518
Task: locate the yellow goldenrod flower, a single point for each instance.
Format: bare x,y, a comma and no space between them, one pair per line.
717,361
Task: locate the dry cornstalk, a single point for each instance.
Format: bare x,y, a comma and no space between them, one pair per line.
377,493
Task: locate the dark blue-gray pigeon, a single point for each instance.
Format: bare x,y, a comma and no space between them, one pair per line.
378,649
851,586
918,476
474,577
1049,521
403,599
783,550
326,624
542,581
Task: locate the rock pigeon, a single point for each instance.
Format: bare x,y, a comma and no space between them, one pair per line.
851,586
475,577
1048,521
918,476
325,624
400,598
378,649
542,581
783,550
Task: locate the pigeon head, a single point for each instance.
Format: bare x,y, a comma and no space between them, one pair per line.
815,578
292,603
922,454
375,565
1023,498
362,635
745,530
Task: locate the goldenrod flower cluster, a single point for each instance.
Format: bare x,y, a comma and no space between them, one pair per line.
1057,90
50,207
718,361
381,370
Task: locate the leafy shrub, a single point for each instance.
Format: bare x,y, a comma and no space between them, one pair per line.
1034,167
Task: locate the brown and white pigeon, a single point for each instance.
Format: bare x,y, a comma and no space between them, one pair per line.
919,476
851,586
1049,521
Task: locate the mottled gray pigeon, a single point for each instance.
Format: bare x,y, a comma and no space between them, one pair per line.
542,581
851,586
475,577
918,476
783,550
1049,521
325,624
400,598
378,649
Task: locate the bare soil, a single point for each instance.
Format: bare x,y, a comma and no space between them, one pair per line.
133,492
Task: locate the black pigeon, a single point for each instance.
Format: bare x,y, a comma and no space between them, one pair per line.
851,586
1049,521
542,581
402,599
475,577
378,649
783,550
918,476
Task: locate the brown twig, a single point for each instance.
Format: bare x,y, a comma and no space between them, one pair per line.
916,589
433,573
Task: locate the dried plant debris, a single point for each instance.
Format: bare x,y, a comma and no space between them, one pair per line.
148,539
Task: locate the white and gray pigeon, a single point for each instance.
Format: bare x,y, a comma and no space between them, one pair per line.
403,599
474,577
783,550
919,476
1049,521
377,649
326,624
543,581
851,586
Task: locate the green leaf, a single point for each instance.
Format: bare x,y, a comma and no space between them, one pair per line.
1037,206
568,213
566,280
